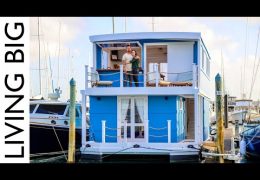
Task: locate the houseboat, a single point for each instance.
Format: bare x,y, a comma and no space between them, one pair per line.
166,114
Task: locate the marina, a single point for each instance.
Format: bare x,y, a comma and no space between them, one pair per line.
159,109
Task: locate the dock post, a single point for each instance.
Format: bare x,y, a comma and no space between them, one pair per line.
219,117
103,131
226,110
72,134
169,131
121,76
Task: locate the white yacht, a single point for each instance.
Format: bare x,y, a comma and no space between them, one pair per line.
49,124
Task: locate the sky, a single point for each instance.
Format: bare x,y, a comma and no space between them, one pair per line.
65,48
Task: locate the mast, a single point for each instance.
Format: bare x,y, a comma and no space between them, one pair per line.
113,24
52,86
153,24
256,66
59,59
39,46
244,73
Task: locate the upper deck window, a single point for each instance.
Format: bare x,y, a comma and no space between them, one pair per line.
51,109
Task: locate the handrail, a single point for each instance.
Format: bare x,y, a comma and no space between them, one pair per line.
166,127
133,74
175,72
133,82
158,128
166,135
95,73
109,74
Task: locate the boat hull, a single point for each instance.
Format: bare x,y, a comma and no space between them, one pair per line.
252,138
253,147
43,139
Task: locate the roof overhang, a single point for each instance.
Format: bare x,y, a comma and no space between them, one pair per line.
146,35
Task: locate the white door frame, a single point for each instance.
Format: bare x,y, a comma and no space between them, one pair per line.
132,123
145,52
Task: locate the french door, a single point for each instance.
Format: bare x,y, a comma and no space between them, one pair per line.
132,115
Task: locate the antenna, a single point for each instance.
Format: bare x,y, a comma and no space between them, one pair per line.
39,56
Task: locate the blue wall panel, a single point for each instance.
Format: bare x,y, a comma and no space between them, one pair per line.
161,109
103,108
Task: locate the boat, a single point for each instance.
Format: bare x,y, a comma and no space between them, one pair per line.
251,138
49,125
242,111
164,115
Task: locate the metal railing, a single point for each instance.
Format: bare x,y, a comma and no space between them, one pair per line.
149,79
168,135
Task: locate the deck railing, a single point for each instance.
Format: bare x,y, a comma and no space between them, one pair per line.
146,132
149,79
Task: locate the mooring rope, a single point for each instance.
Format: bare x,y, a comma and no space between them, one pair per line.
59,142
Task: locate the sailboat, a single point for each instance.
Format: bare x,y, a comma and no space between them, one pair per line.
50,122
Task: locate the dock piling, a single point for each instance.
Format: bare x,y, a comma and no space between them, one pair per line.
219,117
72,134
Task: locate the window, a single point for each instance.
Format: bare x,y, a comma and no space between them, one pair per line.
51,109
32,107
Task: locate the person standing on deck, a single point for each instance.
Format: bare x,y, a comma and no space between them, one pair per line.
135,67
127,66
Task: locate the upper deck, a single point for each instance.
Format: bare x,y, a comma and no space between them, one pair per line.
171,63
